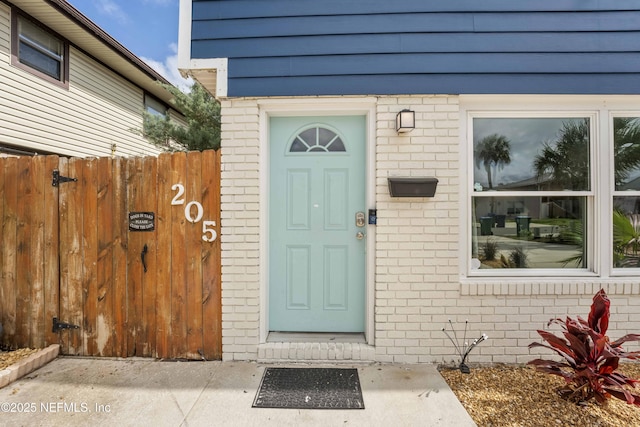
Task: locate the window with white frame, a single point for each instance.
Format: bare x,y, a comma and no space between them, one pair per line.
626,195
555,194
38,50
532,194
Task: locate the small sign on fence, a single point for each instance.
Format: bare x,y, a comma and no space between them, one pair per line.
142,221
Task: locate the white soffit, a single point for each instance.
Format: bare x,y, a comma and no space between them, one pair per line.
210,73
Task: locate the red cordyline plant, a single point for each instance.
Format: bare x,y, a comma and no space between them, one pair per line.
590,360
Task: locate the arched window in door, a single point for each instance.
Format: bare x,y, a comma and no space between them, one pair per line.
317,139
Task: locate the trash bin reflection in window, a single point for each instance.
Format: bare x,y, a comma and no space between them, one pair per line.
522,225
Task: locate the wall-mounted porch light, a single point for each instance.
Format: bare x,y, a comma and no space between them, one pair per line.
405,121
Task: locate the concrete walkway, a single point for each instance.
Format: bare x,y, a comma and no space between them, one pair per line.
144,392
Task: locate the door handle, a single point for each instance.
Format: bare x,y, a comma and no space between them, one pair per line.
142,254
359,235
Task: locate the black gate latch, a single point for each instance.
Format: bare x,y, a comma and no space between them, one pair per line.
58,326
58,179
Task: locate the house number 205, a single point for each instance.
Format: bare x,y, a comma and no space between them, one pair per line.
209,233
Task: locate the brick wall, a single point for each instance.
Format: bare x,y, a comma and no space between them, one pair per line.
240,230
418,284
417,274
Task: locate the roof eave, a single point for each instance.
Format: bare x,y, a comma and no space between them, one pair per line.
88,37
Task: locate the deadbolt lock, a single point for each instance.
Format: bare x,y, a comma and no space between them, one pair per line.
360,222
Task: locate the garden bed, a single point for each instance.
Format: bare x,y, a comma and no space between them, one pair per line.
8,358
18,363
519,396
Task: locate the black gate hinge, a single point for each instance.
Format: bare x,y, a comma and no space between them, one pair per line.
58,179
58,326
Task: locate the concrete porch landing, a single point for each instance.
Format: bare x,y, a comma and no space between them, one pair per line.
145,392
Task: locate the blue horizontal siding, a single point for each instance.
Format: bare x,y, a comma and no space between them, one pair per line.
277,47
424,43
230,9
436,63
554,84
416,23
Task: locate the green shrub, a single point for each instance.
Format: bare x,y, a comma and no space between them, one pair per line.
518,258
489,250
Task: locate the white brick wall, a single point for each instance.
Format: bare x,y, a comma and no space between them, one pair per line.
418,286
417,280
240,226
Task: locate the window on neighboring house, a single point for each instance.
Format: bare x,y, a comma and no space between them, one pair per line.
532,194
39,50
154,106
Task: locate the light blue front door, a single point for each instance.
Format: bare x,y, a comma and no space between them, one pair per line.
316,247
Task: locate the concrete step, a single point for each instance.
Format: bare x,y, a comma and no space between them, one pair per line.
334,352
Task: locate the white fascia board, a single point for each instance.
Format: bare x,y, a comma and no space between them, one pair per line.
198,68
184,35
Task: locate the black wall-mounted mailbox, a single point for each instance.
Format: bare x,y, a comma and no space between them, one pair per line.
412,187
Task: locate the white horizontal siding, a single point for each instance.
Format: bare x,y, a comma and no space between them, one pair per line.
99,109
4,29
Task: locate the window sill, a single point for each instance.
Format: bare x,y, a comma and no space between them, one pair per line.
524,286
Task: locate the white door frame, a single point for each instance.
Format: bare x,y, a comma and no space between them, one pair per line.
317,107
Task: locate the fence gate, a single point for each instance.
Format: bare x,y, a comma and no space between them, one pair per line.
112,257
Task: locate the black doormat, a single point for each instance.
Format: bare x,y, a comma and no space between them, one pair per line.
309,388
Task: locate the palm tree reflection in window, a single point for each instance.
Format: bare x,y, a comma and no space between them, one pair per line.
317,139
626,152
493,151
566,161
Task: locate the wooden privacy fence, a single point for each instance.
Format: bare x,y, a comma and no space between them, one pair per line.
125,255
